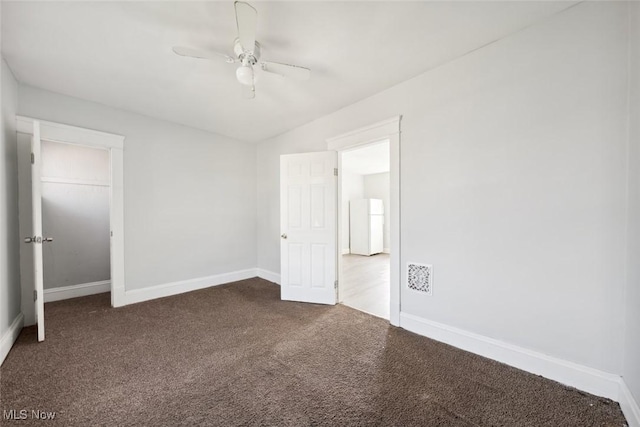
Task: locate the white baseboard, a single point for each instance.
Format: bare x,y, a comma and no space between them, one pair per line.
175,288
268,275
10,336
75,291
629,405
572,374
384,251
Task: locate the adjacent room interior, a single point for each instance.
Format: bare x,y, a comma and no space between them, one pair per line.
364,278
320,213
75,208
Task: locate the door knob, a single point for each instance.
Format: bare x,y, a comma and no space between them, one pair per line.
284,236
35,239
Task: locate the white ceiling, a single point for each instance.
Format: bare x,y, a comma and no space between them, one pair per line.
367,160
119,53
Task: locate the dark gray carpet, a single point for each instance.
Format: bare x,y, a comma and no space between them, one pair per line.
237,355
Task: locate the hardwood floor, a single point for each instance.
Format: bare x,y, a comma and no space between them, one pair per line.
364,283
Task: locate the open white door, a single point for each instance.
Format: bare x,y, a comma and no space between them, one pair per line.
36,240
308,193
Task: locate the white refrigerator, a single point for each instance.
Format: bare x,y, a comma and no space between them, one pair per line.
366,226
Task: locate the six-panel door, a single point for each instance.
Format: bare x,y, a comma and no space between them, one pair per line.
308,215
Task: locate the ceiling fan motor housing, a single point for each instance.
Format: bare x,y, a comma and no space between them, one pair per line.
252,58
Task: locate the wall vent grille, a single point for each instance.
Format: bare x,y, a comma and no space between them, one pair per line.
420,277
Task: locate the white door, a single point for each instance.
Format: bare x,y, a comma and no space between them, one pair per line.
308,217
36,240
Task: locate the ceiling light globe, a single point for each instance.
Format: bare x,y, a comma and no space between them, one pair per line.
244,74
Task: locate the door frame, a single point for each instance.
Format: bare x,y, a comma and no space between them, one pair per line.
385,130
114,144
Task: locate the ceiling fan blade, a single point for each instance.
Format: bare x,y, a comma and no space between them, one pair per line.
287,70
202,54
246,19
248,92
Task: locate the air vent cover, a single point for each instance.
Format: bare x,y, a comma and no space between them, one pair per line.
420,277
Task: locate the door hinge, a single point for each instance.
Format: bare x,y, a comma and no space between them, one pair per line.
335,171
335,284
35,295
33,159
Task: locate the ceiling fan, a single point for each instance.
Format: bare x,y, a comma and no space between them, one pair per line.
247,52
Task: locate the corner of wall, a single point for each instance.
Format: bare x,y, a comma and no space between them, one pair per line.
12,319
10,336
268,275
629,406
630,386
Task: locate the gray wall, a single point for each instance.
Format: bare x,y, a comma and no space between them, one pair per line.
75,212
513,185
9,238
631,373
189,195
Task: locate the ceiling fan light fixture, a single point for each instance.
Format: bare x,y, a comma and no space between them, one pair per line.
244,74
247,52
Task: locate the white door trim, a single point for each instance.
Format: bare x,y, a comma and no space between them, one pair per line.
385,130
66,134
56,132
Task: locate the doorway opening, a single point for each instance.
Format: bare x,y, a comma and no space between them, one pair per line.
75,190
311,218
107,189
365,235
